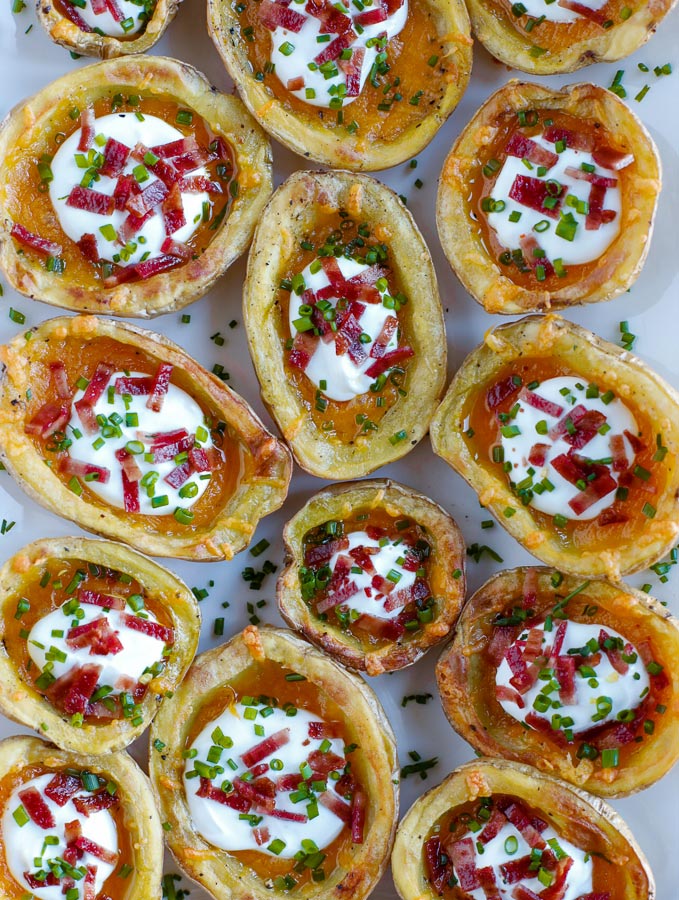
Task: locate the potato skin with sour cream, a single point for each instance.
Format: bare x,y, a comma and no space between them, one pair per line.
623,548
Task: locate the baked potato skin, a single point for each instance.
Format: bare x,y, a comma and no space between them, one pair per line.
358,870
173,289
140,817
584,818
620,264
337,502
63,32
287,219
26,706
509,46
233,525
592,357
629,611
340,149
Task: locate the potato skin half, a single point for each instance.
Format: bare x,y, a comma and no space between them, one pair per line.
173,289
139,810
288,217
552,336
618,267
22,703
233,525
223,875
581,816
340,149
461,667
508,45
65,33
336,502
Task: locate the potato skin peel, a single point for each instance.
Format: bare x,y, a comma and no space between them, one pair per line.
337,147
140,817
631,612
360,866
287,219
65,33
594,358
175,288
509,46
22,703
619,266
578,814
448,553
233,525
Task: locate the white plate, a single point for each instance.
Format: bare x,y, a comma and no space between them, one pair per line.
29,60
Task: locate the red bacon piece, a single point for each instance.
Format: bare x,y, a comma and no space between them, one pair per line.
232,800
509,695
362,558
322,553
538,454
289,782
278,15
533,647
333,50
372,16
565,675
614,655
516,869
34,241
523,677
152,629
62,787
379,346
525,148
464,862
501,391
90,201
557,889
608,158
160,386
288,816
586,427
50,418
194,159
89,846
129,465
358,811
263,799
115,155
88,247
94,598
198,184
438,873
325,763
419,590
150,197
336,806
179,475
97,635
544,726
94,803
199,460
540,403
521,821
333,21
534,255
72,13
390,359
115,10
503,637
177,147
151,267
261,835
585,11
574,139
163,452
96,387
521,892
173,210
36,808
303,348
493,826
532,192
130,487
89,884
597,215
136,386
530,590
338,592
266,747
574,469
486,876
382,629
86,129
162,169
60,379
35,883
324,730
126,187
353,67
74,688
617,445
295,84
591,177
82,469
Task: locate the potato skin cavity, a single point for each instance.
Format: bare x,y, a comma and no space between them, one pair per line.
581,352
288,219
359,866
584,820
483,276
153,76
464,668
258,490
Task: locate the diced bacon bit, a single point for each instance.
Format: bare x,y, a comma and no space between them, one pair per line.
358,811
130,487
50,418
382,629
164,438
60,380
325,763
198,184
544,726
611,517
266,747
72,690
233,800
86,129
136,386
523,676
608,158
538,454
390,359
62,787
559,638
488,884
493,826
97,635
540,403
179,475
557,889
617,444
379,346
256,794
162,169
94,803
94,598
525,148
336,806
199,460
88,247
509,695
372,17
90,201
464,861
324,730
160,387
167,451
303,348
261,835
94,390
417,591
333,50
353,67
173,211
343,592
597,215
501,391
617,736
279,15
533,647
582,10
129,465
534,255
34,882
520,820
189,162
34,241
614,655
152,629
115,156
574,468
514,870
575,139
295,84
565,675
289,782
261,769
89,846
532,192
89,884
438,872
178,147
148,198
71,466
126,187
636,443
36,808
72,830
521,892
503,637
591,177
362,557
72,13
151,267
332,20
288,816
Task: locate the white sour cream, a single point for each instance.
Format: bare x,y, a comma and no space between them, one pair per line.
105,22
221,825
23,845
518,447
625,691
316,90
586,246
129,130
179,410
344,380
